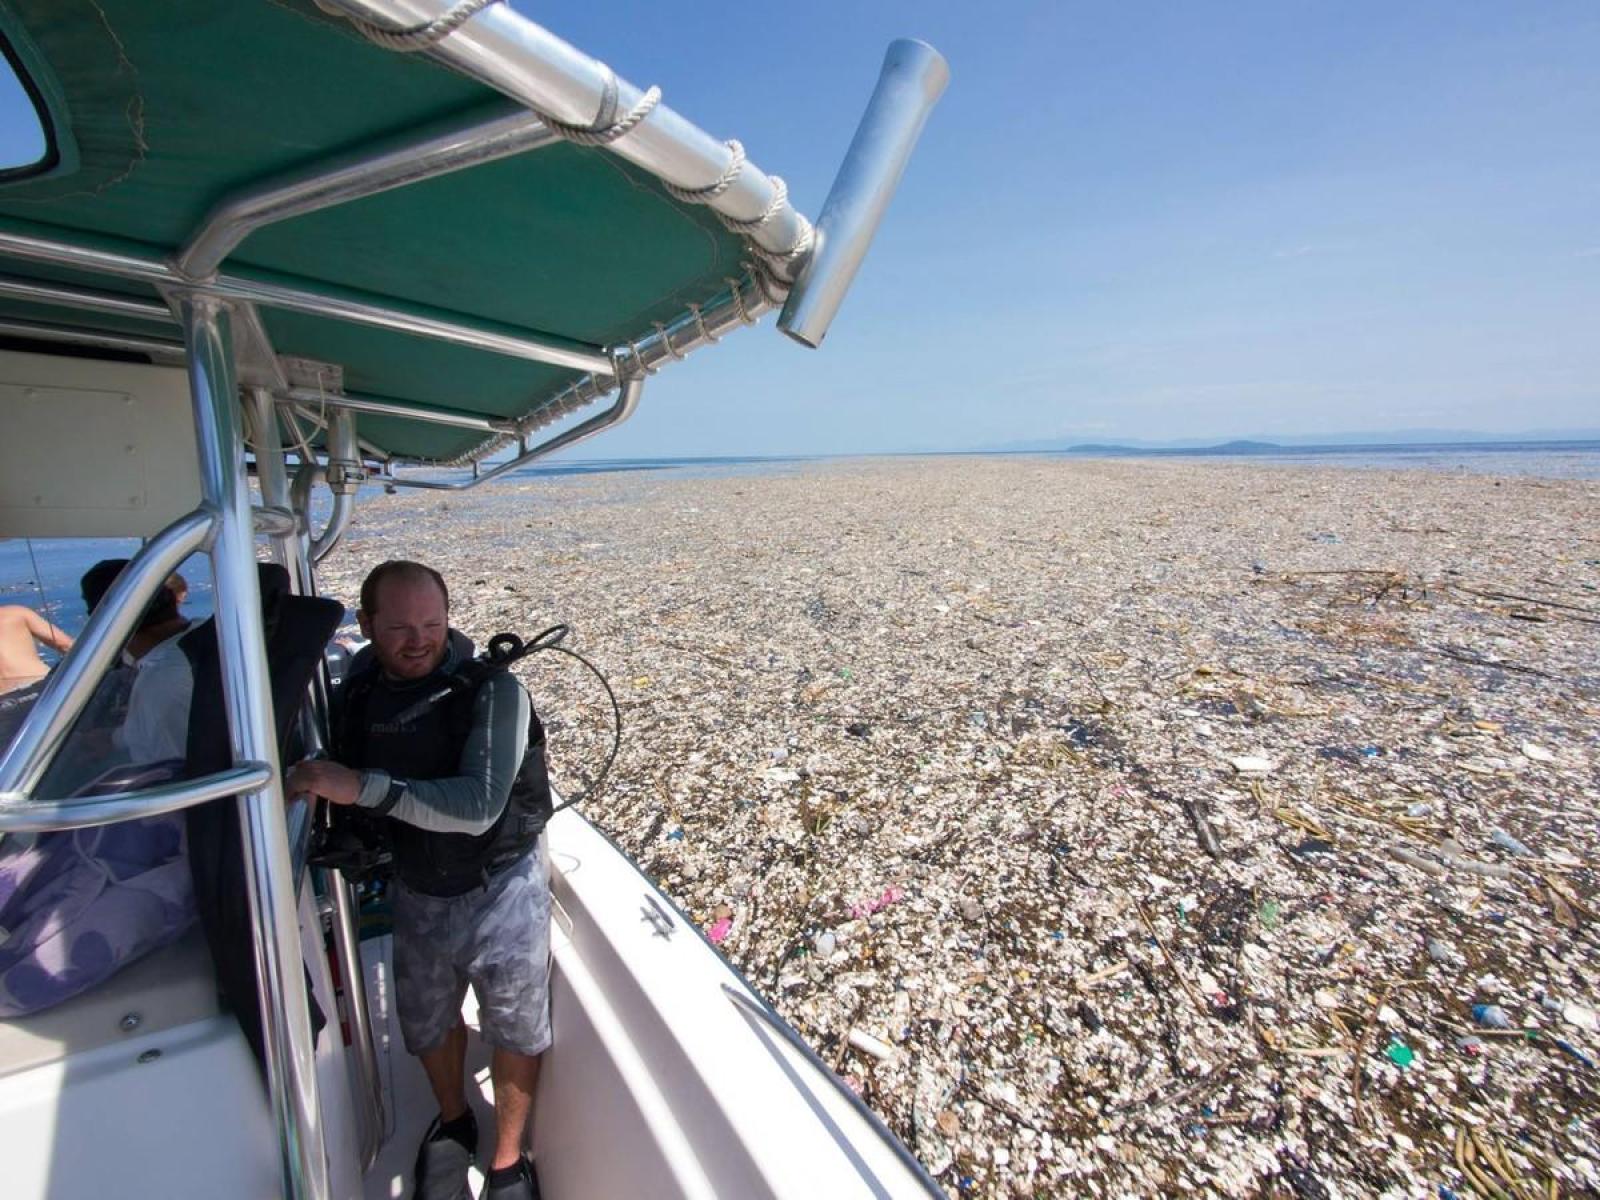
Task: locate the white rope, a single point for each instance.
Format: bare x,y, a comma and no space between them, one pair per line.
780,193
706,195
606,128
603,132
666,340
639,358
736,286
414,38
700,323
773,288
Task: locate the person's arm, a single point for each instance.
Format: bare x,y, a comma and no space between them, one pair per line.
46,633
469,801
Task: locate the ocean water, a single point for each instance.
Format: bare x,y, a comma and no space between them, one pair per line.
1549,460
44,573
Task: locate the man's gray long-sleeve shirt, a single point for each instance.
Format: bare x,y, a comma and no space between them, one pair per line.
471,800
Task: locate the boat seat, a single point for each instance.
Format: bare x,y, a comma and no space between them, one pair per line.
173,986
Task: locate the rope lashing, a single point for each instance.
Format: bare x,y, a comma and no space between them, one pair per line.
780,193
607,128
706,195
772,288
666,340
700,324
605,131
747,229
736,286
415,38
639,358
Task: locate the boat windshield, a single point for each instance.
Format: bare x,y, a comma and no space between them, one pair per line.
24,144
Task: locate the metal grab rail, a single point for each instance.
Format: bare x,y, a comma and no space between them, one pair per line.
268,870
72,684
621,409
345,920
505,50
25,814
49,331
486,135
313,399
375,311
61,295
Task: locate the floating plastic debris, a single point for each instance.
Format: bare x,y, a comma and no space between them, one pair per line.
1094,735
1253,764
1506,842
1412,859
868,1044
889,895
1582,1016
1400,1054
1572,1051
1491,1016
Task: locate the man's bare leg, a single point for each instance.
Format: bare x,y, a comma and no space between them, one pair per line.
514,1077
446,1066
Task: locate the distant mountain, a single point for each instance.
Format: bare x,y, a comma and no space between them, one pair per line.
1241,446
1262,444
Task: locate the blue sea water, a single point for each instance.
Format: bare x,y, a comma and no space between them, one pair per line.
44,573
1548,460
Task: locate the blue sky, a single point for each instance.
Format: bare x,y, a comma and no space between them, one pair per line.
1142,220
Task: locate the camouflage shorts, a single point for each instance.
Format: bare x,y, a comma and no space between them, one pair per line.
496,939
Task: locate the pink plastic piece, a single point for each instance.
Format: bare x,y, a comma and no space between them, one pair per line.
867,907
719,931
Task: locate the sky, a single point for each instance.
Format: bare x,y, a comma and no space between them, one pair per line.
1155,220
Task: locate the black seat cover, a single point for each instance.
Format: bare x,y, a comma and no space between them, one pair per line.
298,629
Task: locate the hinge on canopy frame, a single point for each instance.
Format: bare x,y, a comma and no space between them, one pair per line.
310,373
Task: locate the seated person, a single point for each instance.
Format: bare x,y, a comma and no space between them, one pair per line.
78,905
20,628
162,619
97,740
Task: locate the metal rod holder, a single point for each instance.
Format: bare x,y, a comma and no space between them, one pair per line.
913,78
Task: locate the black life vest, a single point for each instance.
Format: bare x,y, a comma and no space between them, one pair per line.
398,729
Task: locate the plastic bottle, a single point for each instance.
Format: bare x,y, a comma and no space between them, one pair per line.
1506,842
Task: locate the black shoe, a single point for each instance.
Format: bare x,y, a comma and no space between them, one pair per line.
443,1159
523,1186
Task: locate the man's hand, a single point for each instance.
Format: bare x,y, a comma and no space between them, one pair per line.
319,777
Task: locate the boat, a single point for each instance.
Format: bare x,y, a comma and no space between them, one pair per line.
276,252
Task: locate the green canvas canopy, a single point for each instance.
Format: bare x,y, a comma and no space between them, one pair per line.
157,111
